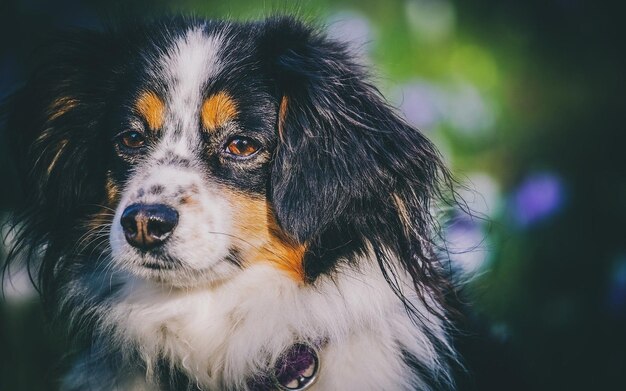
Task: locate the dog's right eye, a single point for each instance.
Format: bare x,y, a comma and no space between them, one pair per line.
242,147
131,139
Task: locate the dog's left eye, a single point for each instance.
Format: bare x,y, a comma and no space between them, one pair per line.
132,139
242,146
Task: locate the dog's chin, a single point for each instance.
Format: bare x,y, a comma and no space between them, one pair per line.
167,270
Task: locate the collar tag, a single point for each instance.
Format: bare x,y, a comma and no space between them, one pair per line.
296,368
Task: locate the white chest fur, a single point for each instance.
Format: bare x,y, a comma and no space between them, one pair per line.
223,334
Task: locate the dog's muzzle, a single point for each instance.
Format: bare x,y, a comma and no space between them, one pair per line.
147,226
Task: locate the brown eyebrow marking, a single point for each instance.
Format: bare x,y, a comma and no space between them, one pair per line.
152,109
217,110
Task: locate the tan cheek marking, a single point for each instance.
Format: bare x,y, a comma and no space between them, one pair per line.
287,255
96,225
254,222
97,222
112,192
217,110
152,109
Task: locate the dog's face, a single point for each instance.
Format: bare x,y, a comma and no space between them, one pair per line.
192,142
186,151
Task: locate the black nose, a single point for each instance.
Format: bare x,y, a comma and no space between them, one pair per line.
147,226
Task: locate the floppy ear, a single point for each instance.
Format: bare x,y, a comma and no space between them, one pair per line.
53,129
52,126
347,170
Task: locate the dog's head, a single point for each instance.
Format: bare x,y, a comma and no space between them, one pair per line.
187,151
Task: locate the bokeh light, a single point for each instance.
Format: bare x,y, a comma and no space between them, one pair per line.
524,101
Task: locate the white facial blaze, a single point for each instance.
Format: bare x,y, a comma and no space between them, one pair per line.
172,174
193,60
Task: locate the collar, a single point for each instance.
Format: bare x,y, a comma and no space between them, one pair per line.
296,368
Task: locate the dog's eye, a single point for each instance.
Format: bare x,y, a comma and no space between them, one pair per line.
132,139
242,146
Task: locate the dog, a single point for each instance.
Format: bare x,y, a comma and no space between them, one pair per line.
221,205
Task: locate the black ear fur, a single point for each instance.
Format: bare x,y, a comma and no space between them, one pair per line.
53,127
348,172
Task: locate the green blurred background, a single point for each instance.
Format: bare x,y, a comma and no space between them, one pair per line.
525,101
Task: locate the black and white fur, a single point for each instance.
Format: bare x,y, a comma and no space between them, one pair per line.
343,177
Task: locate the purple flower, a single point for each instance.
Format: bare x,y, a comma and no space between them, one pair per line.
539,196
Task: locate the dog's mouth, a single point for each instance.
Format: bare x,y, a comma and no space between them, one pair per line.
159,261
156,266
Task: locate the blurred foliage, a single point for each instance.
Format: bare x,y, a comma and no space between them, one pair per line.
525,100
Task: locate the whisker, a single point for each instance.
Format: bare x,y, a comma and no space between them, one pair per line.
101,230
103,206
